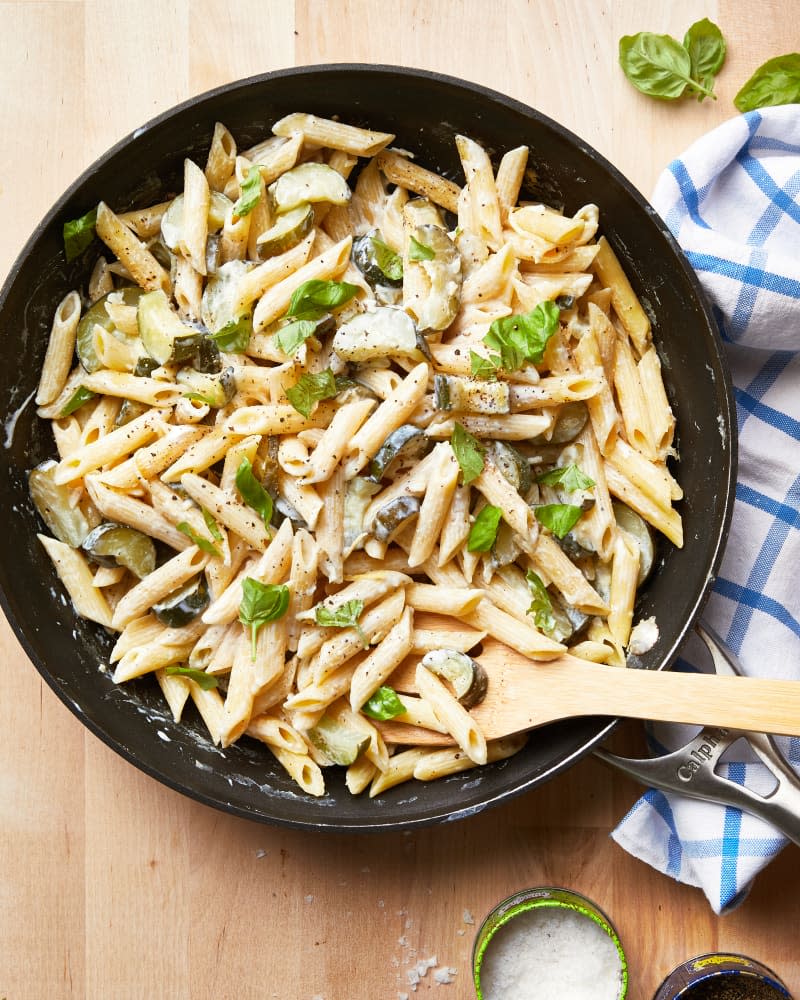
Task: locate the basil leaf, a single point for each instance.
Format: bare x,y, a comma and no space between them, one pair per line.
261,603
658,65
234,337
291,337
384,704
211,524
560,518
249,194
200,677
706,48
252,492
541,606
76,400
522,338
571,477
777,81
469,453
419,251
483,367
78,234
199,541
310,389
314,298
389,262
345,616
484,530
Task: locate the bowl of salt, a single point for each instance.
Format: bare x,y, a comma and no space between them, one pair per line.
548,943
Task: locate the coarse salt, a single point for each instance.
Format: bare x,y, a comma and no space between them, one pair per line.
548,953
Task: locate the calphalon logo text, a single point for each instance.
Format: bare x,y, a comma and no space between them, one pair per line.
701,753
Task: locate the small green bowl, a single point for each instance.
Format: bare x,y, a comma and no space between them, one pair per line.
539,898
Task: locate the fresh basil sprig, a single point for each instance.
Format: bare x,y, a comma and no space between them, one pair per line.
78,234
419,251
484,530
541,606
389,263
571,477
206,681
384,704
345,616
249,194
290,338
559,518
469,453
76,400
211,524
314,298
202,543
252,492
310,388
517,339
261,603
659,66
234,337
777,81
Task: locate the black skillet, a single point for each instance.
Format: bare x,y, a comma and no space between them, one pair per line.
425,110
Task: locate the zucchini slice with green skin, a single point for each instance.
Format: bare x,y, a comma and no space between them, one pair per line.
288,231
172,222
218,308
393,516
97,314
570,421
112,544
405,444
383,332
309,182
513,465
215,390
165,337
358,494
340,744
367,259
437,309
183,605
67,523
639,530
470,395
208,358
466,676
129,410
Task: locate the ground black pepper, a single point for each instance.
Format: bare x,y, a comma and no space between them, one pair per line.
733,986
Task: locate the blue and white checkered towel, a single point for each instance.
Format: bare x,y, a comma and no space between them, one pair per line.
733,203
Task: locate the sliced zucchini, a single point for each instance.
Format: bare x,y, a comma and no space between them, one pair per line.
219,307
405,444
379,267
112,544
172,222
506,549
570,421
639,530
287,232
208,359
384,332
282,509
569,623
145,366
466,676
52,501
394,516
129,410
340,744
165,337
471,395
357,496
97,314
310,182
437,309
183,605
215,390
513,465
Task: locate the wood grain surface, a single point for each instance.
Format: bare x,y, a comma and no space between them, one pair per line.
115,887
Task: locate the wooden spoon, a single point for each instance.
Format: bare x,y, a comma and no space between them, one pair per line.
523,694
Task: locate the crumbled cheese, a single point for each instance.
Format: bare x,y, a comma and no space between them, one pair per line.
261,853
467,917
644,636
551,952
309,898
444,976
